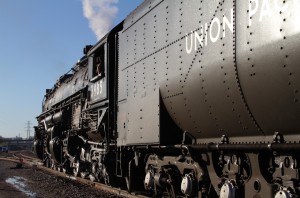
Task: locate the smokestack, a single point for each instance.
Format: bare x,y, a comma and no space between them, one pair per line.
100,14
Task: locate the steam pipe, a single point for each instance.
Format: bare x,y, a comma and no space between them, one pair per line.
248,147
231,147
95,143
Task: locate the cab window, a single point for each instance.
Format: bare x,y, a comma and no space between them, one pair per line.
99,62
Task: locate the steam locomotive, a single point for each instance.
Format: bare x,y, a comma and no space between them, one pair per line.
193,98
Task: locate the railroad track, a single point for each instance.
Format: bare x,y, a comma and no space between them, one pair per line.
22,159
96,185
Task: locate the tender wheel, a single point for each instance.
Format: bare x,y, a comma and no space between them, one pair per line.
284,193
187,186
92,178
228,190
149,181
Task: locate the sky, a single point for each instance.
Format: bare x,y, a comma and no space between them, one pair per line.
40,40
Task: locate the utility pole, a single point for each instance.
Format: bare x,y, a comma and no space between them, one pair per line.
28,127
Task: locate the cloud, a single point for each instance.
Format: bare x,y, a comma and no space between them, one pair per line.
100,14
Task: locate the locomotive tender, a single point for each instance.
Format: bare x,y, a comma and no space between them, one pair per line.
196,98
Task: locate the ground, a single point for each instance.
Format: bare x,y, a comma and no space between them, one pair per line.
29,182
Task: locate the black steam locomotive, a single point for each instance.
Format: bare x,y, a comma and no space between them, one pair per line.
194,98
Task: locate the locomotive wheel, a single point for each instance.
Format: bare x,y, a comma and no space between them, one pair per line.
66,167
110,180
83,174
48,163
76,168
105,176
92,177
59,168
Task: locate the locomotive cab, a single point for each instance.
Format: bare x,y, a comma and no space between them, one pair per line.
97,66
101,90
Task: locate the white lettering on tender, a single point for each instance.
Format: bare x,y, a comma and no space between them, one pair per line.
205,33
198,38
227,23
218,26
281,8
189,50
263,8
195,39
266,8
252,10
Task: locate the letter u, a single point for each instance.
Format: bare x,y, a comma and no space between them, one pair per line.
189,49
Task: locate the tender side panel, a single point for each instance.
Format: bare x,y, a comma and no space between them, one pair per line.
190,49
268,49
206,99
138,113
217,73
